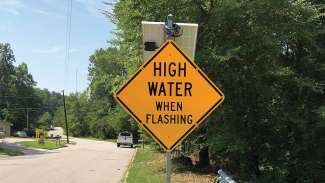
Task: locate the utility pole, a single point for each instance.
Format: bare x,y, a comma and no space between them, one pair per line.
27,118
76,80
65,118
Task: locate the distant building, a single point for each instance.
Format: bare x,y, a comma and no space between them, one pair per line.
5,127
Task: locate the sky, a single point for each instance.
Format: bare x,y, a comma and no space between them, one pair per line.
36,31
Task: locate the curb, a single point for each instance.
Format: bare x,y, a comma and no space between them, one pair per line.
128,168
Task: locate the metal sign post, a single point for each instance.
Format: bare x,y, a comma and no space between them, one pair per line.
168,167
224,177
171,31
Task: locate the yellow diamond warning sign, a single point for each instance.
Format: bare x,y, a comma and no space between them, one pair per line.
169,96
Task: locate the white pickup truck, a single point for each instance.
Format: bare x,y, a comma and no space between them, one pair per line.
125,138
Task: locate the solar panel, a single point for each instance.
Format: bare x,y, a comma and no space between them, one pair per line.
153,32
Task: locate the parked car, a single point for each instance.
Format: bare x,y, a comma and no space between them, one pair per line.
20,134
125,138
30,133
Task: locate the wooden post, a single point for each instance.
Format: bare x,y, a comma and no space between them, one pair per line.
65,118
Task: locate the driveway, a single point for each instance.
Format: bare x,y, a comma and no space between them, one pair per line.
89,161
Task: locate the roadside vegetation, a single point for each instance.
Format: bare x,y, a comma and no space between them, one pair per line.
10,152
149,166
48,144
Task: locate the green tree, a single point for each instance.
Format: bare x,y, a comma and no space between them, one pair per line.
16,90
45,120
107,70
7,71
18,95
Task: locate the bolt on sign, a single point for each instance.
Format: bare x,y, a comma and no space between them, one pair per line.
169,95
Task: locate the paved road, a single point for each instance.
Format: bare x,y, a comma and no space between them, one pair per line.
89,161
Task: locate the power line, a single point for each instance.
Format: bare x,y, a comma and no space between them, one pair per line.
17,97
26,108
67,40
67,58
20,107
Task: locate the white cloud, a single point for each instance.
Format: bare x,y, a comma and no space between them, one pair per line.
42,12
11,6
16,7
53,49
93,7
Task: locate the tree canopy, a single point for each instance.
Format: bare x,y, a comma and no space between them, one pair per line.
19,98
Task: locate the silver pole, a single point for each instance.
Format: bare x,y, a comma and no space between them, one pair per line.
169,26
168,167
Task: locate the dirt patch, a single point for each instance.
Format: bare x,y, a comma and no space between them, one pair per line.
190,177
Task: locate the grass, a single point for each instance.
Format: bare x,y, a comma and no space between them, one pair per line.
10,152
48,144
147,167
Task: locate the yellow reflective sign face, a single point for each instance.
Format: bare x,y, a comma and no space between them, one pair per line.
169,96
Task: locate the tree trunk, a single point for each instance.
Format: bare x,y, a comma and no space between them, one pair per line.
204,160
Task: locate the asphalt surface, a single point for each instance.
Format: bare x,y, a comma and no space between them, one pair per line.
89,161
